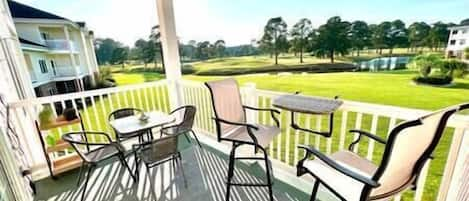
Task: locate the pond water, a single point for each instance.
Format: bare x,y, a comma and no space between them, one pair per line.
384,63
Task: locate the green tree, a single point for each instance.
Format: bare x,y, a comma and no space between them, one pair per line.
397,35
300,32
437,36
464,22
360,35
104,48
144,51
119,56
275,32
381,35
219,46
418,31
203,50
155,39
333,38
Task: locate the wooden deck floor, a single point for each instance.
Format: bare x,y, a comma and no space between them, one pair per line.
205,170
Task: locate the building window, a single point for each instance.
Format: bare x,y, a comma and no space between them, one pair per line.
43,66
52,64
462,42
454,32
52,91
452,42
69,87
45,36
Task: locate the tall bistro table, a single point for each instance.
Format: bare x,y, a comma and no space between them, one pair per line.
132,124
309,105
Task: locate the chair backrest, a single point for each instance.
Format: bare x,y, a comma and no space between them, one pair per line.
227,104
76,140
124,112
409,146
161,148
186,116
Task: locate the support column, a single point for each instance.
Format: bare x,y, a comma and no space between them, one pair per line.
87,56
170,46
93,53
72,56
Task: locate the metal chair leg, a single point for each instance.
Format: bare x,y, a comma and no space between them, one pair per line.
124,163
315,191
269,179
230,172
90,169
196,139
80,174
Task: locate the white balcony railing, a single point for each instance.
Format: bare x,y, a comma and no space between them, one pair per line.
95,106
67,71
61,45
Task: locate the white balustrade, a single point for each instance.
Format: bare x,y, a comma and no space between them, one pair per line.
95,106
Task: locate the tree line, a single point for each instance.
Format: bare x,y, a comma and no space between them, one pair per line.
335,37
339,37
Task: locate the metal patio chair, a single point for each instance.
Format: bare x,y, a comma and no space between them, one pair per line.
104,151
184,126
157,152
231,126
407,149
125,112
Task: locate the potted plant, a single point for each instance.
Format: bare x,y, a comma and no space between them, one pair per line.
46,117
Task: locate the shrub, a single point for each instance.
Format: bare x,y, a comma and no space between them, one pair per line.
466,53
104,79
453,68
433,80
424,63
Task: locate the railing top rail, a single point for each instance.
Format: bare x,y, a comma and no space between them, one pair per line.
76,95
397,112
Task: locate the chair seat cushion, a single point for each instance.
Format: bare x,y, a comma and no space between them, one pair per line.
346,186
265,134
104,152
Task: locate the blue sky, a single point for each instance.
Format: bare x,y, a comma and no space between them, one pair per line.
239,21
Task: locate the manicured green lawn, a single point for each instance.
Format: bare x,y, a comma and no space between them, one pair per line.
388,88
135,78
254,62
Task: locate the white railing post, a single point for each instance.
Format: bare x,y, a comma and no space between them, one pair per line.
457,163
170,47
250,100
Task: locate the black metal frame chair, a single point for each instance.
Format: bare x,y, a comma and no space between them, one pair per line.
90,158
370,182
185,125
256,135
125,112
157,152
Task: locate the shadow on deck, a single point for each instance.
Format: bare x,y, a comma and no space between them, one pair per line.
205,170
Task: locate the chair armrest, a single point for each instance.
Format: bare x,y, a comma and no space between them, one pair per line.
370,135
336,166
367,134
272,112
248,126
88,133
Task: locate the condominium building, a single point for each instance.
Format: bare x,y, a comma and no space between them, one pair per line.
58,52
458,41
